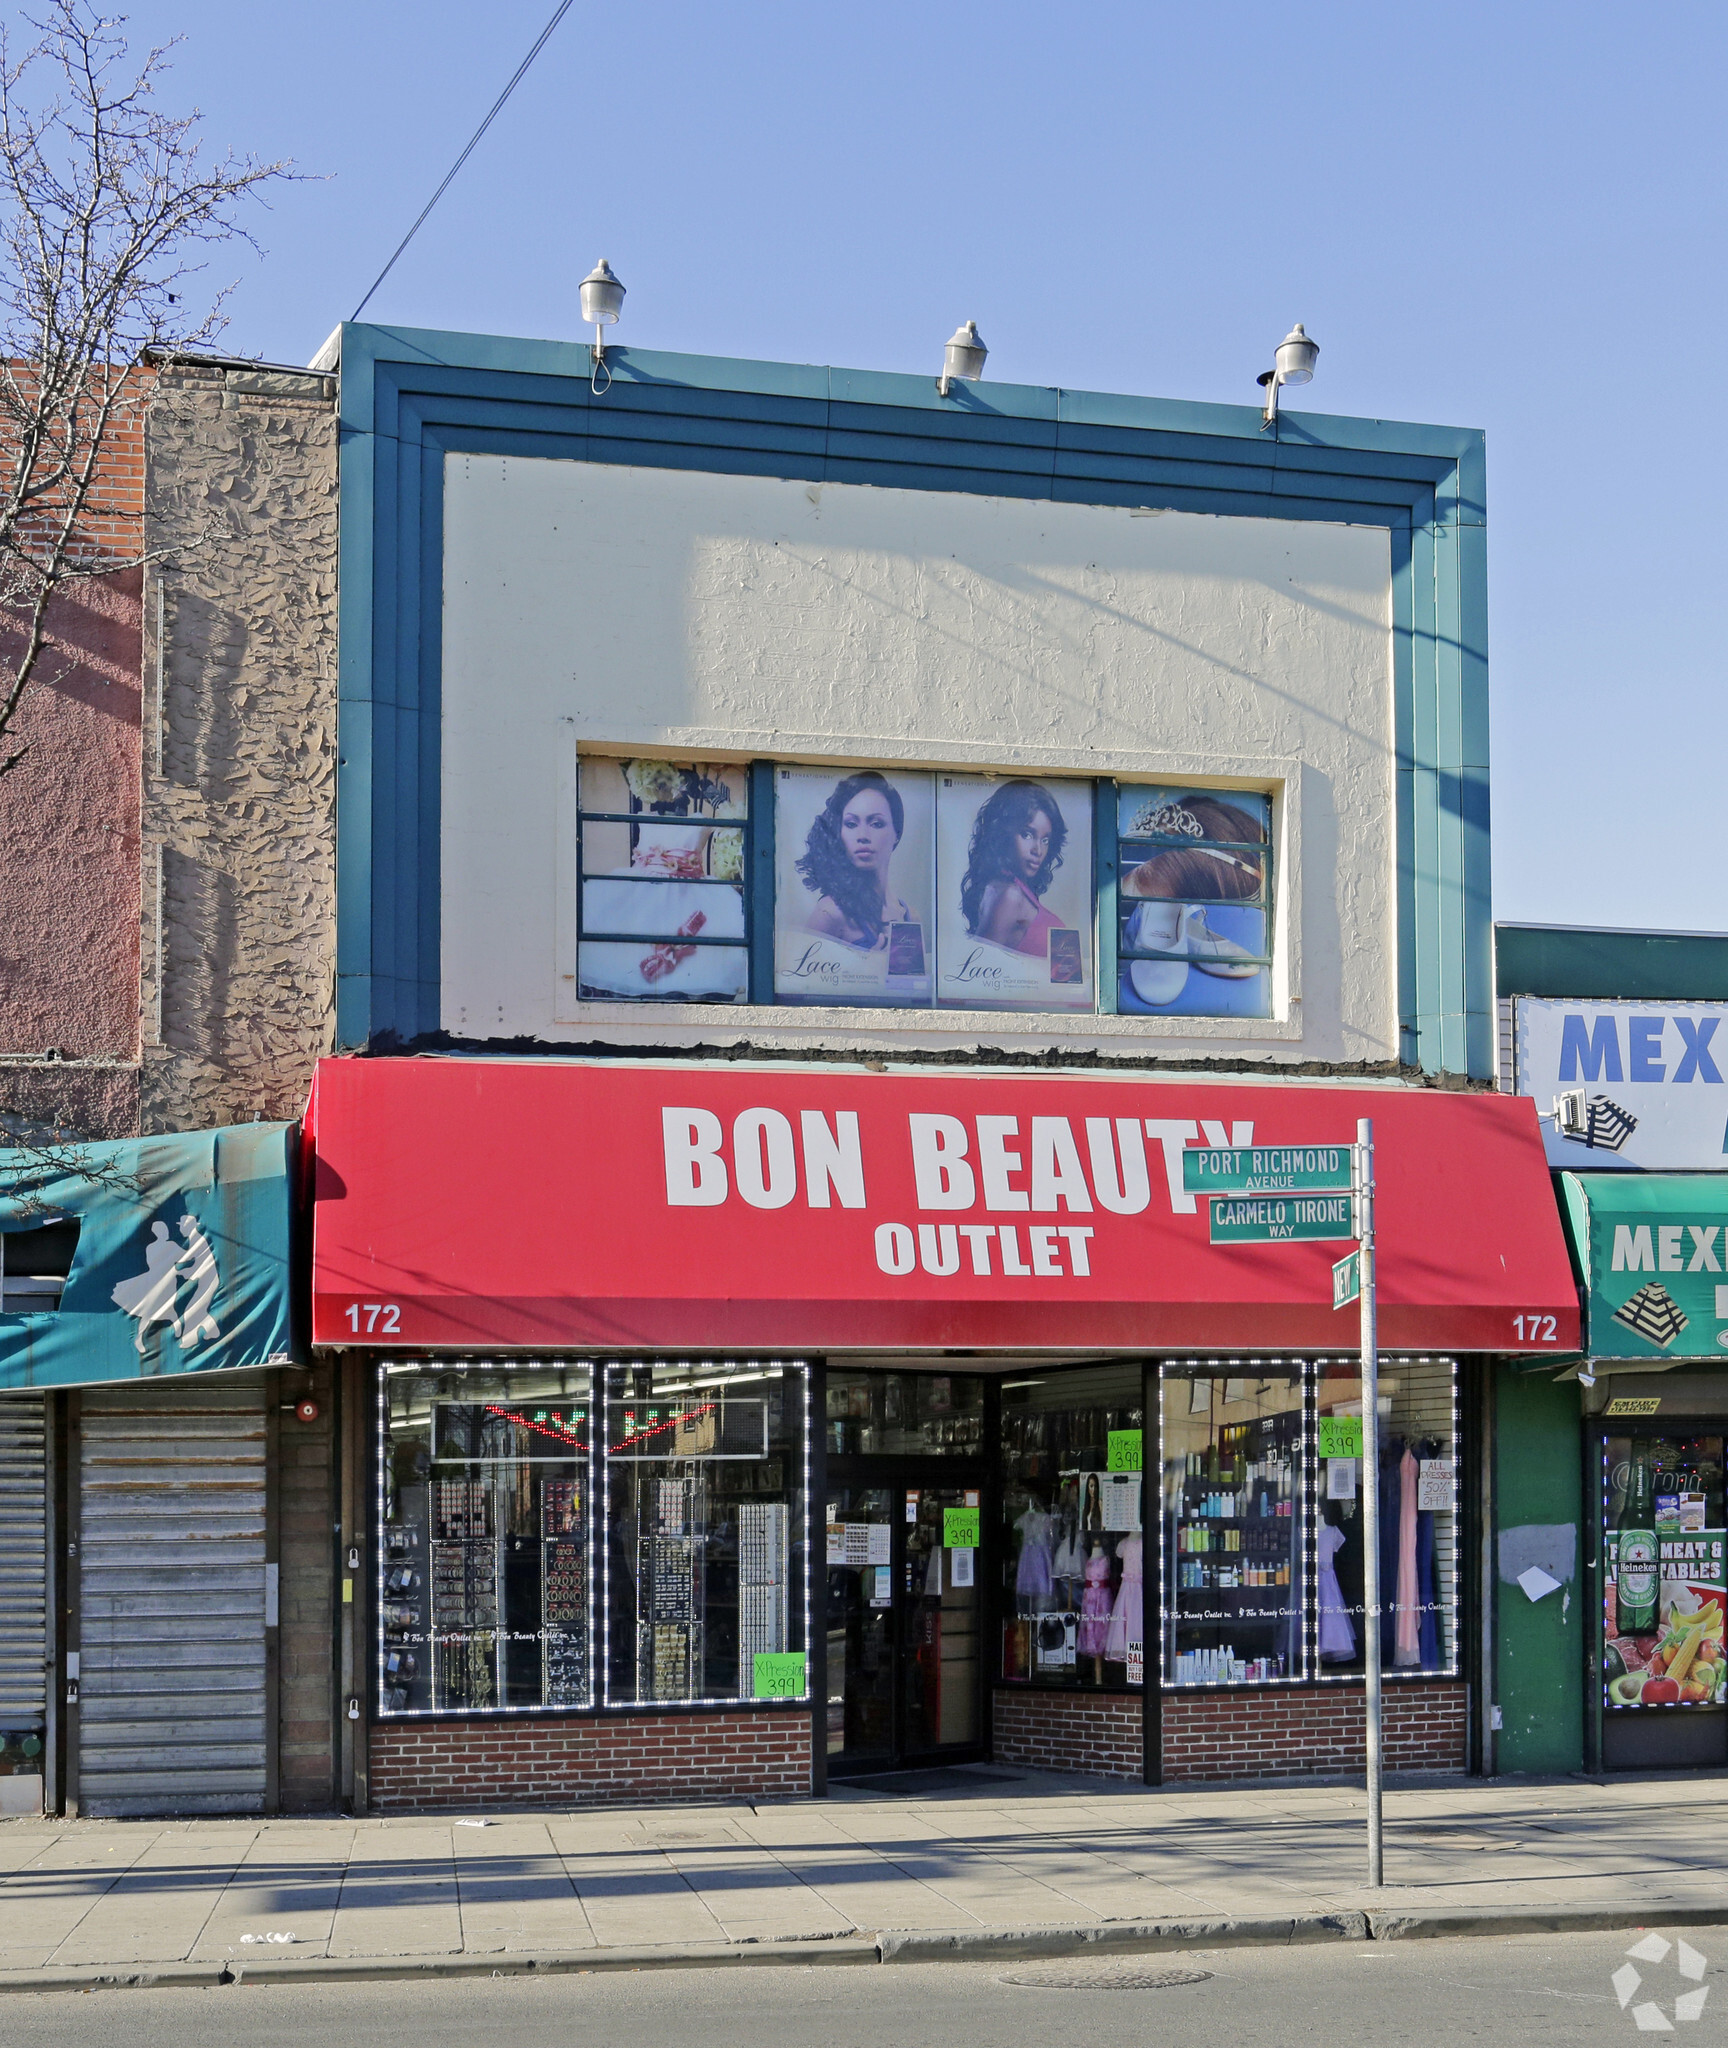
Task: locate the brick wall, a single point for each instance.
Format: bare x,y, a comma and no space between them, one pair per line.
306,1542
69,821
593,1761
1051,1731
1310,1729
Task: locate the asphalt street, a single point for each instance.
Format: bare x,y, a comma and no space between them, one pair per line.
1534,1990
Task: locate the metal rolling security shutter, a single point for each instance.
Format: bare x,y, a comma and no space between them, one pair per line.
23,1565
172,1649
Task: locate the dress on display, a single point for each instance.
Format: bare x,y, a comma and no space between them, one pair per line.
1032,1579
1094,1607
1337,1636
1128,1616
1068,1568
1407,1640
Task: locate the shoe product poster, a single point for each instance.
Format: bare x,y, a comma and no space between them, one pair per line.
1195,902
853,895
1013,893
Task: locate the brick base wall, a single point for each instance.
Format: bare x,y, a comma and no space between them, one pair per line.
1311,1730
597,1761
1049,1731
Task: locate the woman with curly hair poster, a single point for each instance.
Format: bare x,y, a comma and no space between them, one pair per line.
1014,894
852,911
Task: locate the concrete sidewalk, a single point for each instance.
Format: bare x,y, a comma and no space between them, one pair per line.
948,1862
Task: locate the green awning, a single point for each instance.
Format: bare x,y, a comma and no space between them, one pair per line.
1652,1250
181,1259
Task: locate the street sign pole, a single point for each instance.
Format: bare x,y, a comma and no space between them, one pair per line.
1370,1488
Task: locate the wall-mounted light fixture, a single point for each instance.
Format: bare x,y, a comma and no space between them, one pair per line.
1293,364
963,358
602,302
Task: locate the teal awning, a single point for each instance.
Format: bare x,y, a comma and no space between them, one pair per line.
181,1263
1652,1251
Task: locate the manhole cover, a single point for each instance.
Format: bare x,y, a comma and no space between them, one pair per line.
1103,1976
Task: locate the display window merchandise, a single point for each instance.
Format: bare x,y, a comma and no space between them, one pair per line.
483,1595
707,1592
1262,1558
559,1535
1073,1545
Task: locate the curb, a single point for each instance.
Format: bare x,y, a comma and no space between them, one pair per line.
957,1945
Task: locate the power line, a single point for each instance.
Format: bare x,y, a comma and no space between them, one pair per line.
521,72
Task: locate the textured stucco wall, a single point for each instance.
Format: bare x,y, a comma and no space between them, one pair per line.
239,746
646,610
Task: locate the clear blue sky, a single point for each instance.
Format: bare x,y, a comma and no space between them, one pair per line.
1505,216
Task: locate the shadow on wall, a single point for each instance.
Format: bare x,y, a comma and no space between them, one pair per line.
201,942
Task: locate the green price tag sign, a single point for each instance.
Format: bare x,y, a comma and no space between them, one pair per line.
1340,1436
1122,1450
960,1528
778,1675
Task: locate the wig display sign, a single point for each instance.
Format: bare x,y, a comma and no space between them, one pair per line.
1627,1085
1015,894
855,887
962,890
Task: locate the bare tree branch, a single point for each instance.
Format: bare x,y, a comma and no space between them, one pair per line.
106,205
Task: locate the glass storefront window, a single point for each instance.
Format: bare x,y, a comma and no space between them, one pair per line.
904,1414
1073,1596
1418,1484
1262,1521
483,1590
1233,1525
708,1584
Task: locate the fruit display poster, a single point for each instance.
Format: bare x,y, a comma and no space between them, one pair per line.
1682,1663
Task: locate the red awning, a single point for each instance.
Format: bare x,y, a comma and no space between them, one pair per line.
464,1203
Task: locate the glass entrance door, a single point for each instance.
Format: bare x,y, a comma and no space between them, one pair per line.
904,1636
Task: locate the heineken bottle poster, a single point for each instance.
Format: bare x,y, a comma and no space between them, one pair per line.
1666,1589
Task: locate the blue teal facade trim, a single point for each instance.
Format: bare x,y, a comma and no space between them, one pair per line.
411,396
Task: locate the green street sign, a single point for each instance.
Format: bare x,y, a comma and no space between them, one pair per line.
1268,1219
1265,1169
1347,1280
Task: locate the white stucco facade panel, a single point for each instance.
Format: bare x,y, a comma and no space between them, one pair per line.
590,606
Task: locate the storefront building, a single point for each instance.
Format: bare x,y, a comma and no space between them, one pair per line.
144,1326
815,852
741,1427
1610,1575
